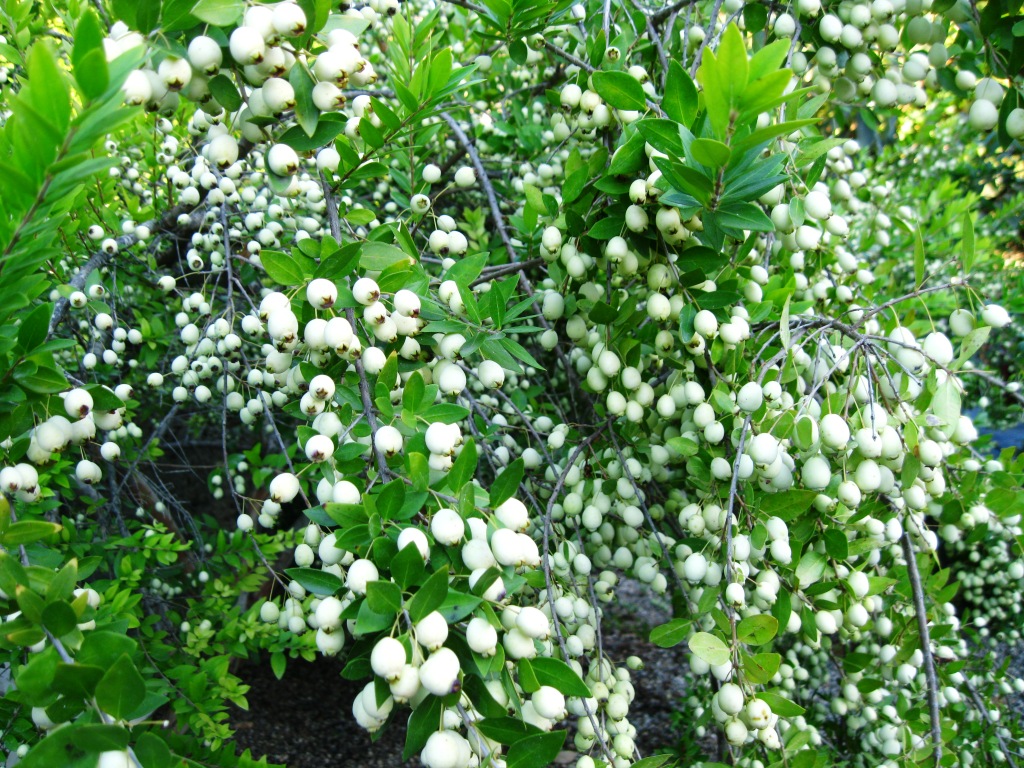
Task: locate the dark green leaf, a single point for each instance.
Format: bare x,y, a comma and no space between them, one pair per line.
384,597
680,100
220,13
281,268
224,91
671,634
757,630
121,690
620,90
560,676
315,581
506,484
430,596
536,751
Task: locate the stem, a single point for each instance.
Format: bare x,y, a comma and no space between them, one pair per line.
926,648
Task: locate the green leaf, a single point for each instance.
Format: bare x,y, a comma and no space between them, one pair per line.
153,751
535,751
324,133
506,484
836,544
430,596
102,647
652,761
661,134
34,326
560,676
41,379
315,581
103,399
711,153
306,112
972,342
379,256
423,721
744,216
59,618
967,241
780,705
282,268
464,468
121,690
946,406
710,648
220,13
27,532
384,597
761,667
757,630
224,91
506,730
811,568
390,500
47,93
620,90
786,505
670,634
919,255
527,677
87,56
628,158
680,100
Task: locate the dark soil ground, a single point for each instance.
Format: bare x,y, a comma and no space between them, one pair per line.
315,729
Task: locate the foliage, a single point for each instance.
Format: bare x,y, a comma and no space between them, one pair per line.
453,315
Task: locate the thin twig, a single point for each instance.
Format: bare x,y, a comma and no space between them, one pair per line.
926,649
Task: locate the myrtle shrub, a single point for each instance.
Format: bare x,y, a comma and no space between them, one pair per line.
404,332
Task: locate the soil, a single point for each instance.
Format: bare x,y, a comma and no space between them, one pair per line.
318,730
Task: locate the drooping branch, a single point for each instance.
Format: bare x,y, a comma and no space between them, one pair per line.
917,591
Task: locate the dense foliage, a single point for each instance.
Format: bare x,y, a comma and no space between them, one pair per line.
402,332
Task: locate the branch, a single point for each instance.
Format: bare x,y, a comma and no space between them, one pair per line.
485,182
926,648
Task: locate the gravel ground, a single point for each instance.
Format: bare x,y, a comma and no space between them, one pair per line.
317,728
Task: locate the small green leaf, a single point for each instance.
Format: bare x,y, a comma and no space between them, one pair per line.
836,544
34,326
711,153
757,630
27,532
121,690
919,263
379,256
325,132
220,13
780,705
527,677
422,722
464,468
59,618
225,92
430,596
967,241
281,268
384,597
810,568
315,581
620,90
680,101
535,751
709,648
506,484
560,676
671,634
972,342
